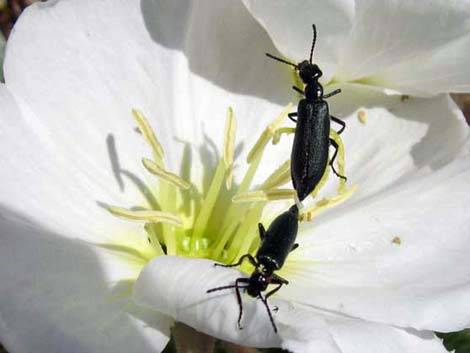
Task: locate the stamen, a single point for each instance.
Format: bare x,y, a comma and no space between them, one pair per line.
267,134
339,159
325,203
148,134
279,177
208,204
280,131
321,183
174,179
229,146
264,195
146,215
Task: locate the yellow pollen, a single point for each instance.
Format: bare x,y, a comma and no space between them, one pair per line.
229,147
146,215
174,179
362,116
396,240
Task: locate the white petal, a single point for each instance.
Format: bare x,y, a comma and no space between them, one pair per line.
56,184
177,287
289,24
313,331
183,64
400,257
444,69
399,141
414,47
304,330
59,295
388,33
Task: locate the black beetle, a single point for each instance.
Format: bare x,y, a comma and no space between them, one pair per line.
310,151
276,243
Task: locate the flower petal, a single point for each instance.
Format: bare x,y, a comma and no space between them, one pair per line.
442,69
417,48
177,287
400,257
387,33
59,295
289,24
55,184
313,331
182,63
400,140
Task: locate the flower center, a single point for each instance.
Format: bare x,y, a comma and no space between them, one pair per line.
222,224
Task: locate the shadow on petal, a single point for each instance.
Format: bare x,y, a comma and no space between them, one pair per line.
222,43
56,296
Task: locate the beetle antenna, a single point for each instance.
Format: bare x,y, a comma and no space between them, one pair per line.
313,41
280,60
220,288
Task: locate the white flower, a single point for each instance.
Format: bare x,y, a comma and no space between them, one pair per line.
365,275
414,47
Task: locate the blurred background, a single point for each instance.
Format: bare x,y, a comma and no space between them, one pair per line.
10,10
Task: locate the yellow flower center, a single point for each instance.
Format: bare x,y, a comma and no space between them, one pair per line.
221,224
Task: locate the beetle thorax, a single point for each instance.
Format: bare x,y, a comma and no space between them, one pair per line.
313,91
258,282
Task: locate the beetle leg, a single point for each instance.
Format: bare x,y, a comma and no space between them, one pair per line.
331,94
291,116
295,246
265,302
239,262
239,299
298,90
335,145
262,231
340,122
274,290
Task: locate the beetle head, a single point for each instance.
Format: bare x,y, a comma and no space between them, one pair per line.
258,282
308,72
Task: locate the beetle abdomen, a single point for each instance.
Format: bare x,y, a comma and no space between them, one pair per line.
309,156
279,239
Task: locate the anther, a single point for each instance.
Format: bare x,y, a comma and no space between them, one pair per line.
146,215
264,195
174,179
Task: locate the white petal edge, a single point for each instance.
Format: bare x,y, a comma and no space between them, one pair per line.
61,295
177,287
347,335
